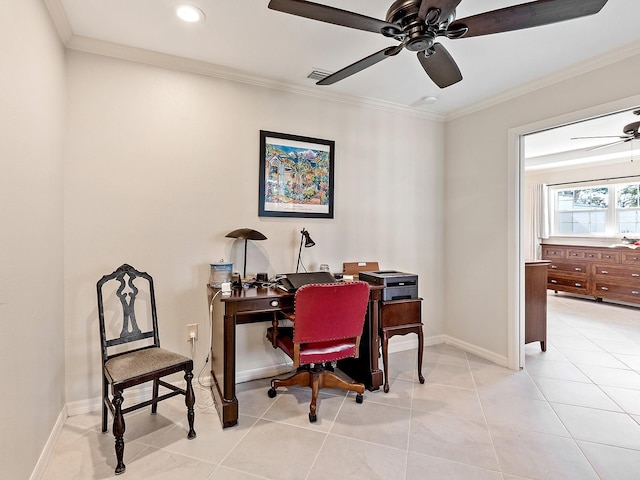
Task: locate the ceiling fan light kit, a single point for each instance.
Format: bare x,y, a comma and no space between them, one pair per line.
416,24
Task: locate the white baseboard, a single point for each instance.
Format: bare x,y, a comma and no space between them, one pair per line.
474,349
396,344
49,446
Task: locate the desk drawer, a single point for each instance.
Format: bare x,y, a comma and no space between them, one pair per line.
400,312
269,304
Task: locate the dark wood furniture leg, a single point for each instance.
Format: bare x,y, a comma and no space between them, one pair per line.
366,368
118,430
190,400
400,317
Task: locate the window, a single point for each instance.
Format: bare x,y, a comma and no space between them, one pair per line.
628,208
599,210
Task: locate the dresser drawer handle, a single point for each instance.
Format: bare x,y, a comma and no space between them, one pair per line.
554,266
574,254
553,281
578,284
604,272
604,288
607,256
635,258
590,255
578,269
634,292
635,274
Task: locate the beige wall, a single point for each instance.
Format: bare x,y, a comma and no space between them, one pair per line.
482,187
32,97
161,164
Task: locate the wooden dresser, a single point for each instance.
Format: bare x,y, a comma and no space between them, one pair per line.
602,272
535,302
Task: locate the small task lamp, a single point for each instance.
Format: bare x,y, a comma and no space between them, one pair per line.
246,234
308,243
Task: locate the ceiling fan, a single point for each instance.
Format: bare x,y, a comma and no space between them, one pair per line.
417,23
631,132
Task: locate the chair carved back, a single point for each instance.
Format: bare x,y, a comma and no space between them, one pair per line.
127,293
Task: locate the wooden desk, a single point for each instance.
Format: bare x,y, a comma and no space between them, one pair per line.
263,304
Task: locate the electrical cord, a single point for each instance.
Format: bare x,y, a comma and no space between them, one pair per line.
206,361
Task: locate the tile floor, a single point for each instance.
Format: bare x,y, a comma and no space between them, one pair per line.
572,414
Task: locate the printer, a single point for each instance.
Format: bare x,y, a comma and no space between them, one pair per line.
397,285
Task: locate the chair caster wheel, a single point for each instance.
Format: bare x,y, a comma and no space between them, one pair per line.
313,418
359,398
272,392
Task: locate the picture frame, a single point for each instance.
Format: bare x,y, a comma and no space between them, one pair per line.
296,176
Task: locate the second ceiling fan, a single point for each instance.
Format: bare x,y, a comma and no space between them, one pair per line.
417,23
630,132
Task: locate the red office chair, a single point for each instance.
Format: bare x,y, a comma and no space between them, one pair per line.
328,321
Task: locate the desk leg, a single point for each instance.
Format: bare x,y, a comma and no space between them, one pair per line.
376,373
365,368
230,400
224,389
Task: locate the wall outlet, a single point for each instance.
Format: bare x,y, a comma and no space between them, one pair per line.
192,331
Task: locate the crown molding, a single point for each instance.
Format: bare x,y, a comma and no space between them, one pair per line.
149,57
60,20
608,58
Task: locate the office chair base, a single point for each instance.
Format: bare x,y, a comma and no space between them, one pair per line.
316,378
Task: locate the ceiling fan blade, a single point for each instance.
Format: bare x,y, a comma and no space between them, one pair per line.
443,8
600,136
526,15
440,66
608,145
337,16
359,65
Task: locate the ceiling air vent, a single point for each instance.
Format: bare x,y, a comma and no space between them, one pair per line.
318,74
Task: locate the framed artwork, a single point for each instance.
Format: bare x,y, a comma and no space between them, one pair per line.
296,176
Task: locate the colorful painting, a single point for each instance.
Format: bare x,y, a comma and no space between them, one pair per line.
296,176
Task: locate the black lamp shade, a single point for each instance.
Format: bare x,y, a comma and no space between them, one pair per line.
246,234
308,242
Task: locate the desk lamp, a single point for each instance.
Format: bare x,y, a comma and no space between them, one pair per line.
246,234
308,243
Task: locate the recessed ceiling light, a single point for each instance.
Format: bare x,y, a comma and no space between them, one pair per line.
189,13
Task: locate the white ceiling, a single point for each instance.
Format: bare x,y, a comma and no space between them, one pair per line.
248,37
559,147
257,44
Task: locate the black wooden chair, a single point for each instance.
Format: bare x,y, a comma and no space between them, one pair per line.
131,356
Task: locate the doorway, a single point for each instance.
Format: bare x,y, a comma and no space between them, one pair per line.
553,152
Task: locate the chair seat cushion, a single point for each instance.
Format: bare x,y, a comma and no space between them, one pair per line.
320,352
142,362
